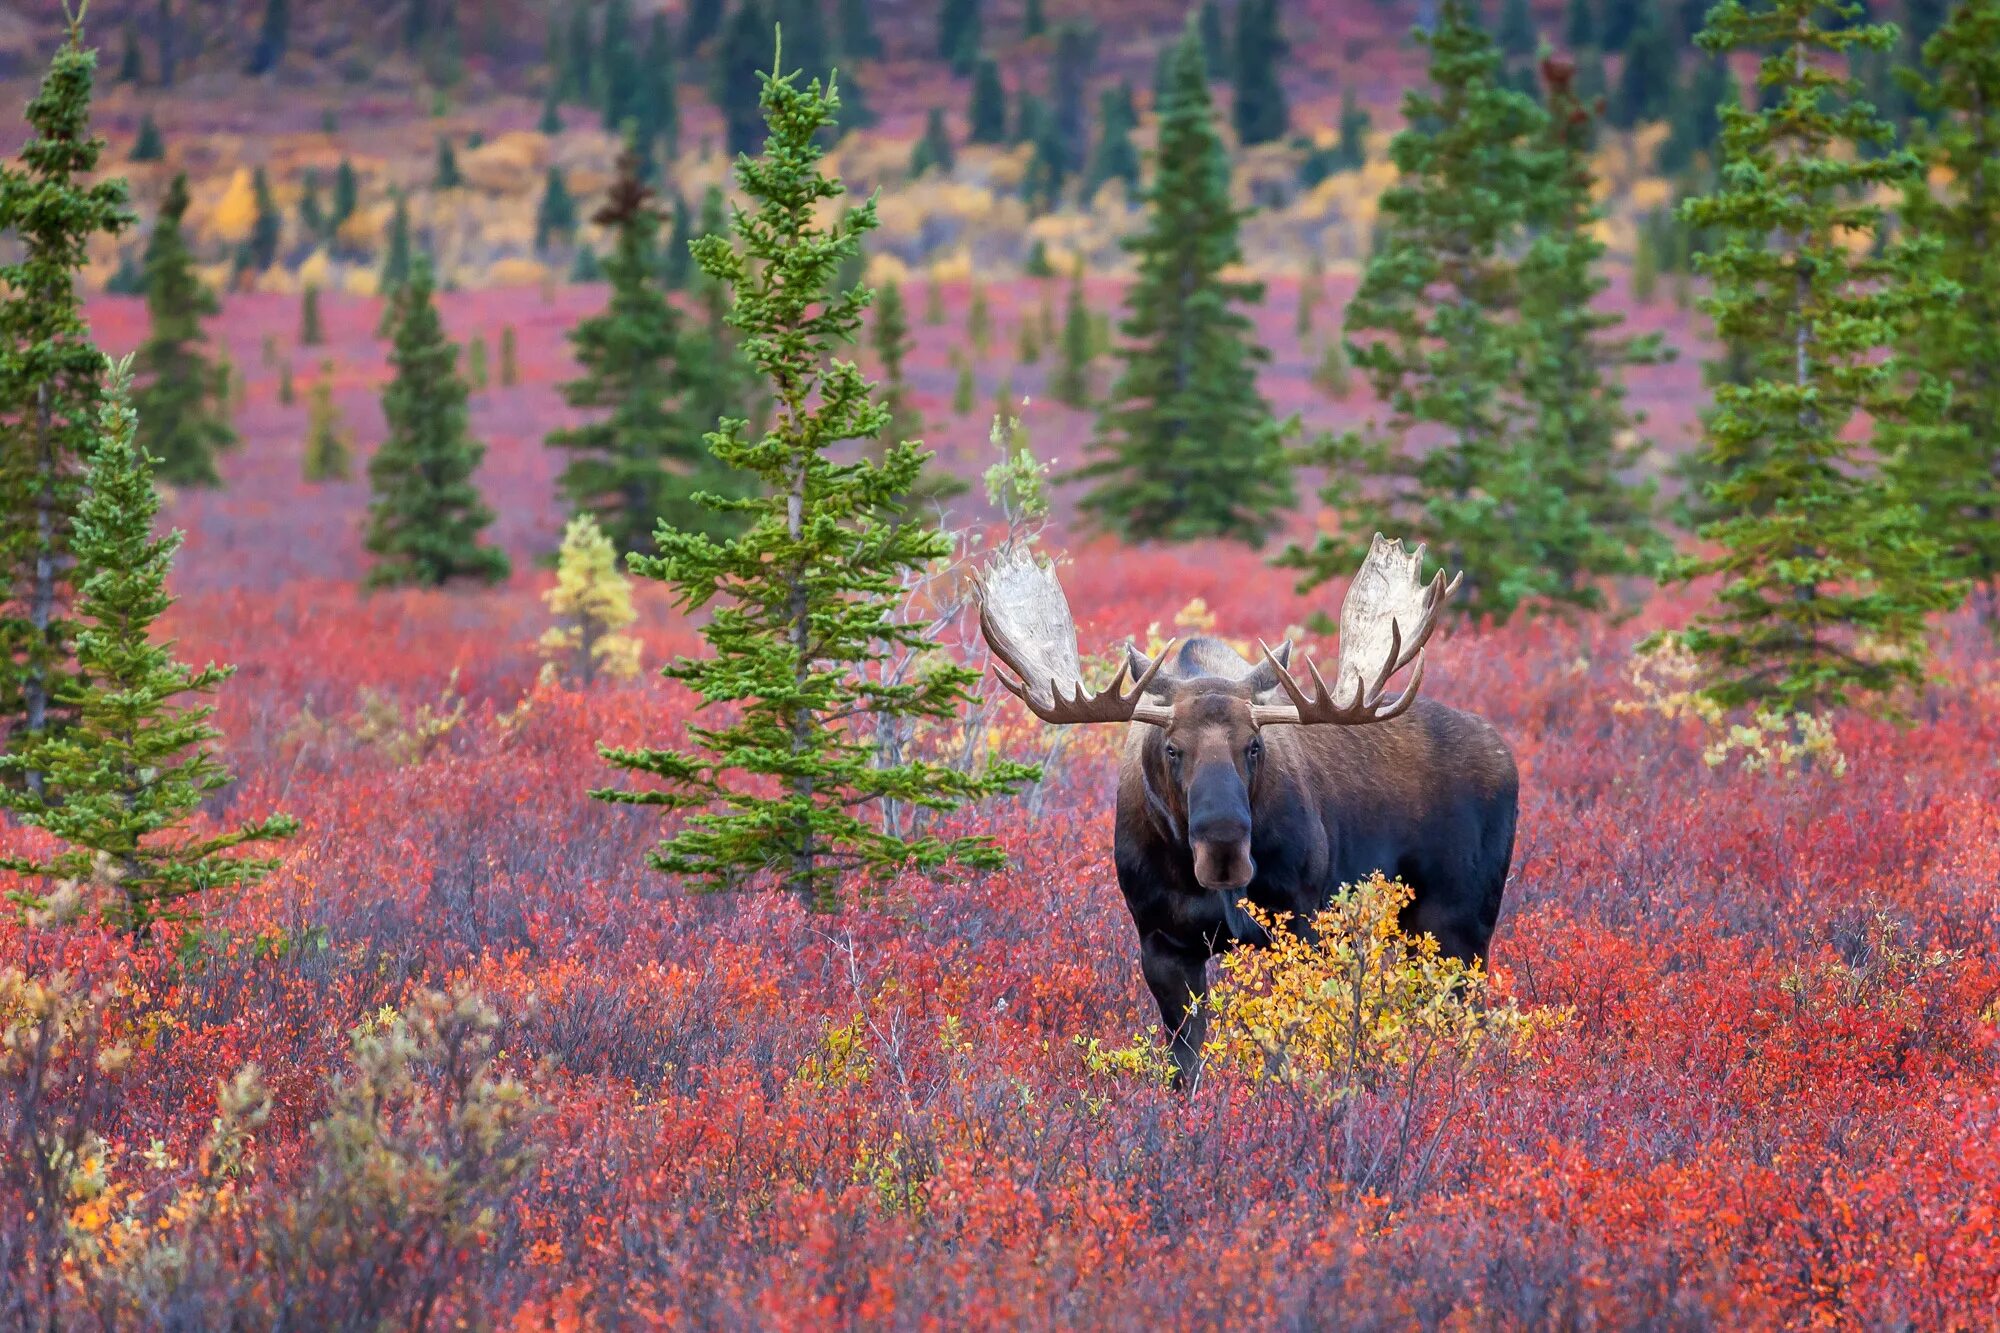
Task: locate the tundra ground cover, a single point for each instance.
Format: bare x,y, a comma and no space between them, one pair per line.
1765,1094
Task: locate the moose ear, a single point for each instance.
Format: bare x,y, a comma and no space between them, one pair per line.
1263,677
1137,664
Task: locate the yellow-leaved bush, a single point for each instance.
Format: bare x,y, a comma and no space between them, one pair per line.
593,603
1358,1005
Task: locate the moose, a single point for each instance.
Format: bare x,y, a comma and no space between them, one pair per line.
1237,785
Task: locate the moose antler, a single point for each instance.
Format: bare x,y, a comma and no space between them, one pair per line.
1028,625
1385,620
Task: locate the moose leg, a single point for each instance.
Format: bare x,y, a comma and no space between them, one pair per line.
1178,978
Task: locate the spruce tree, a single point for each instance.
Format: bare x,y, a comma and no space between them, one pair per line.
446,176
327,456
1647,78
745,50
934,149
182,403
1070,385
398,256
510,361
704,20
987,115
1517,28
641,460
803,605
272,37
959,32
1069,84
1580,24
149,145
50,377
807,51
657,111
1352,147
1214,45
555,215
1114,158
312,213
857,30
1034,19
1811,546
1187,446
426,515
267,229
312,332
346,195
619,73
1261,112
1580,438
135,764
1955,474
1433,327
893,343
131,63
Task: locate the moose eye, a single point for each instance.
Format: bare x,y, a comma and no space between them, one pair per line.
1173,753
1255,750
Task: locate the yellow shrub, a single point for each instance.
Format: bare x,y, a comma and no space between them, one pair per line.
592,601
236,213
1362,1004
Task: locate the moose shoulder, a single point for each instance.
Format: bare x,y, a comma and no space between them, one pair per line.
1237,784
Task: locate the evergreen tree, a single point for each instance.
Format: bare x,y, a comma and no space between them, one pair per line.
1034,21
1070,385
1955,474
704,20
50,377
475,363
555,216
979,321
1648,76
346,195
1352,147
312,213
1579,25
447,177
803,23
1261,112
1697,116
959,35
131,64
426,515
805,600
745,51
934,149
163,29
149,146
1811,546
1517,28
1187,446
657,110
136,762
311,331
1617,21
618,73
1214,45
267,229
675,262
893,343
1596,525
510,360
987,114
577,78
963,386
397,260
272,37
592,601
182,404
327,456
1069,82
1312,290
858,40
1433,328
1114,158
641,460
550,122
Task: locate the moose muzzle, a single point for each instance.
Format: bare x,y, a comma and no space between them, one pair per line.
1219,829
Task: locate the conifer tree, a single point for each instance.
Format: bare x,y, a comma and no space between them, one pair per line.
963,386
618,72
745,50
979,320
510,361
1517,28
1580,25
934,149
805,601
272,37
803,23
1187,446
704,20
397,258
1352,147
131,64
858,40
182,403
1955,474
135,764
1647,78
1261,112
959,34
555,216
267,229
1214,45
426,515
1069,83
1580,438
1034,19
1070,385
893,343
446,176
327,456
312,332
592,602
150,145
987,115
641,460
657,110
346,195
1114,158
1811,546
1432,328
50,377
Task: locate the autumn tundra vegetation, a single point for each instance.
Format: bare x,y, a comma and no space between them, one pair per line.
561,562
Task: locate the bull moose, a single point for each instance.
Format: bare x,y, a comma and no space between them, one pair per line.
1235,784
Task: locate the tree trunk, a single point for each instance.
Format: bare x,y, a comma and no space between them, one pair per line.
802,720
42,596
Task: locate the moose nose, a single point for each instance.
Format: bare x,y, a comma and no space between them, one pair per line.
1220,827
